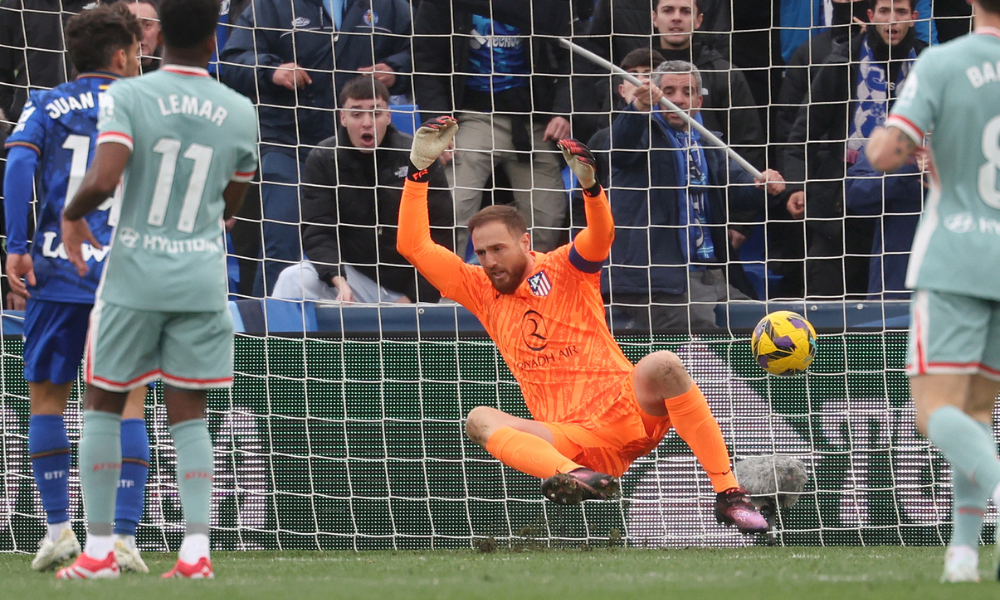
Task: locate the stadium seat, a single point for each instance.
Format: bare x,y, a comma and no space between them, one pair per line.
405,117
274,316
827,315
234,312
232,268
12,323
752,255
396,318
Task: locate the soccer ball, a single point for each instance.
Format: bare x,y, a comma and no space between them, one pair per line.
784,343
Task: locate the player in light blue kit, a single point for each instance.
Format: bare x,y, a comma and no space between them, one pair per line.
951,98
54,140
187,147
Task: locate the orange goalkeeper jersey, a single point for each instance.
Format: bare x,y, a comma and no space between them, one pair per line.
551,331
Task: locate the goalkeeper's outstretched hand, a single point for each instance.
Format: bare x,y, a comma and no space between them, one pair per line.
581,161
433,138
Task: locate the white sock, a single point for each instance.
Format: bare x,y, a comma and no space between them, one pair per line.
194,547
128,540
56,529
98,546
962,552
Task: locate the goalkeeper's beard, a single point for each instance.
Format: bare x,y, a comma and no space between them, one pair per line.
507,280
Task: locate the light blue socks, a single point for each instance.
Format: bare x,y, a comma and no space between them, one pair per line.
195,469
965,444
100,470
968,505
970,449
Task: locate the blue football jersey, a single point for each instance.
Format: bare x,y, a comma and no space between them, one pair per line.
60,125
498,56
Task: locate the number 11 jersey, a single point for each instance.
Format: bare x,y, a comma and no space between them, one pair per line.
952,96
190,136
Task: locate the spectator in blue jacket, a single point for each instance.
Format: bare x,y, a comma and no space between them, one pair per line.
898,200
294,57
673,200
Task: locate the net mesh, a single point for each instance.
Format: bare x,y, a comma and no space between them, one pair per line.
337,439
365,449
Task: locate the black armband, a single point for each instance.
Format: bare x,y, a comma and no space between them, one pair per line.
593,191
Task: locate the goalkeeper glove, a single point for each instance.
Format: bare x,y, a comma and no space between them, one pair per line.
433,138
580,161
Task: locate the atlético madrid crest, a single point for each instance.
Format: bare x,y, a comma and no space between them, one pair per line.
540,284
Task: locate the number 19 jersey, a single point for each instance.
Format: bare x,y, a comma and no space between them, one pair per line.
190,136
951,95
60,125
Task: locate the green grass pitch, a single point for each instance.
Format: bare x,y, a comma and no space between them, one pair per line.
601,573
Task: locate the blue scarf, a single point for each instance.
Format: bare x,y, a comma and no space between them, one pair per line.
872,100
335,10
692,198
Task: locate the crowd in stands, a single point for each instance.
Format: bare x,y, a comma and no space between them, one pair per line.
794,86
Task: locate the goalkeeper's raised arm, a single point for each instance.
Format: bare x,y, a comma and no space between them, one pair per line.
413,238
441,266
594,242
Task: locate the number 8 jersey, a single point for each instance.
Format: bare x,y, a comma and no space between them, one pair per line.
951,96
189,136
59,126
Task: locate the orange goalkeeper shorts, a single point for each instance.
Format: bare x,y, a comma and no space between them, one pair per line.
612,447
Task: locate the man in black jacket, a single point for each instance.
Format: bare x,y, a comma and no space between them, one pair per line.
31,45
683,32
848,98
620,26
729,105
352,186
806,61
294,56
786,238
509,90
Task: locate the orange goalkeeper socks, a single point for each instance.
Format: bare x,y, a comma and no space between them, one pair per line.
528,453
693,420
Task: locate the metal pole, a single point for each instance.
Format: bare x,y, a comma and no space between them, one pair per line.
705,133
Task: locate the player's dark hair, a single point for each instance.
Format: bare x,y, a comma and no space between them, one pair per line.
642,57
94,36
363,87
188,23
697,6
873,3
990,6
508,215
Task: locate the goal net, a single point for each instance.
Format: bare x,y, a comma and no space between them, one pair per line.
345,426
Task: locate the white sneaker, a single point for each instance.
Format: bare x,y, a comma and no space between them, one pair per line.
50,554
128,557
961,565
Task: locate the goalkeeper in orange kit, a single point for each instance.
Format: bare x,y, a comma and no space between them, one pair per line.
594,411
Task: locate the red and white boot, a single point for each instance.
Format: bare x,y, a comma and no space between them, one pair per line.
86,567
199,570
